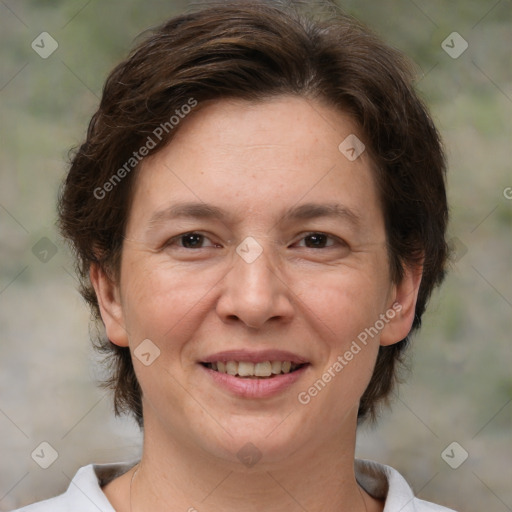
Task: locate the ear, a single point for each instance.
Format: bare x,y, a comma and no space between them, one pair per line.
403,305
109,301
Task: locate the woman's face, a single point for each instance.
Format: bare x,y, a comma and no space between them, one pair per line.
253,238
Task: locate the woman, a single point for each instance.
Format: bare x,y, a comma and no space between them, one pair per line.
259,216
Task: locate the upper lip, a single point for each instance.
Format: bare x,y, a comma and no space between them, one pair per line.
254,356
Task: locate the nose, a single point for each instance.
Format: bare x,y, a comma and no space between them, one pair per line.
255,292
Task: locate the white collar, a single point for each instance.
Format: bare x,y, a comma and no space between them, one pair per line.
380,481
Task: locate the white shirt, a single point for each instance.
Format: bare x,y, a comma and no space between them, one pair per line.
84,493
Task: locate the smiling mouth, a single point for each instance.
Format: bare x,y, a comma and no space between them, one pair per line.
248,370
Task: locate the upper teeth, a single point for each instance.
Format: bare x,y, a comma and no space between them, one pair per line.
248,369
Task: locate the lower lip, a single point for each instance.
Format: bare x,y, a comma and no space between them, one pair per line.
255,388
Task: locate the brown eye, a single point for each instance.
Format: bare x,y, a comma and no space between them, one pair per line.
191,240
316,241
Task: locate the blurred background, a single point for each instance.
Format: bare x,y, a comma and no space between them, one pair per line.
460,387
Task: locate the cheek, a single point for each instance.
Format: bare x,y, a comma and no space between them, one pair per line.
343,303
161,302
339,310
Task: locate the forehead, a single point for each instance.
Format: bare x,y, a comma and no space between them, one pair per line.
258,157
296,125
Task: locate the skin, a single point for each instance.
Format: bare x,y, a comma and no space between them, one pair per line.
255,160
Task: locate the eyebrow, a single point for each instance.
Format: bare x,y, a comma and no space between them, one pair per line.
305,211
188,210
315,210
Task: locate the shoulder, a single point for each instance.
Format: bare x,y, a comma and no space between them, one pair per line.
384,482
84,493
54,504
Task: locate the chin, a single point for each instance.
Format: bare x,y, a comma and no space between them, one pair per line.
253,441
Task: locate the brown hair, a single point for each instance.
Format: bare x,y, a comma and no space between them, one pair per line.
255,51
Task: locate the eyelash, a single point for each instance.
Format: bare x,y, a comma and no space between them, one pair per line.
337,240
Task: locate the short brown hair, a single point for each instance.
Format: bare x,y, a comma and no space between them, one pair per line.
256,51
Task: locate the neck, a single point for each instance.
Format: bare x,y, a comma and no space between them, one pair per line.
184,477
